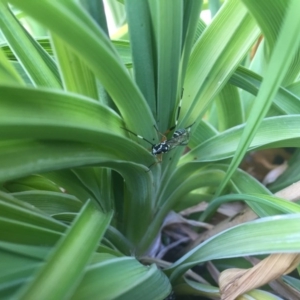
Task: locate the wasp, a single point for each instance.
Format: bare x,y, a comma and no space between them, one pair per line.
180,137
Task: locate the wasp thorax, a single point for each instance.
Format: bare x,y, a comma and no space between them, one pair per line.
160,148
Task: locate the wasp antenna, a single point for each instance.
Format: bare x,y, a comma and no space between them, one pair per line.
138,136
156,128
177,113
190,125
153,164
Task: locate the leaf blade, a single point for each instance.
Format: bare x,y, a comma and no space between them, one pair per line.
49,282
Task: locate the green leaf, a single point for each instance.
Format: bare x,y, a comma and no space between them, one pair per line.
139,182
215,55
252,238
241,182
196,175
166,17
229,108
14,210
63,109
70,22
280,204
8,75
76,76
286,46
37,63
50,202
49,282
129,279
203,132
143,49
18,232
31,183
192,28
270,17
281,131
190,287
71,184
286,101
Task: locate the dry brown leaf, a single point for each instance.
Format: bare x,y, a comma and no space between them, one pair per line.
231,209
193,209
282,289
213,271
291,192
175,218
234,282
260,163
275,173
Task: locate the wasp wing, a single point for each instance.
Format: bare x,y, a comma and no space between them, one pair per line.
181,139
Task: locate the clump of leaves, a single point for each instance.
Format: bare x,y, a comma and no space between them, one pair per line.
82,214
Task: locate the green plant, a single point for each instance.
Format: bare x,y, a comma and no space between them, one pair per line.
72,176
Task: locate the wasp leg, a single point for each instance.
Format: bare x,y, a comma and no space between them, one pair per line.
164,138
159,160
